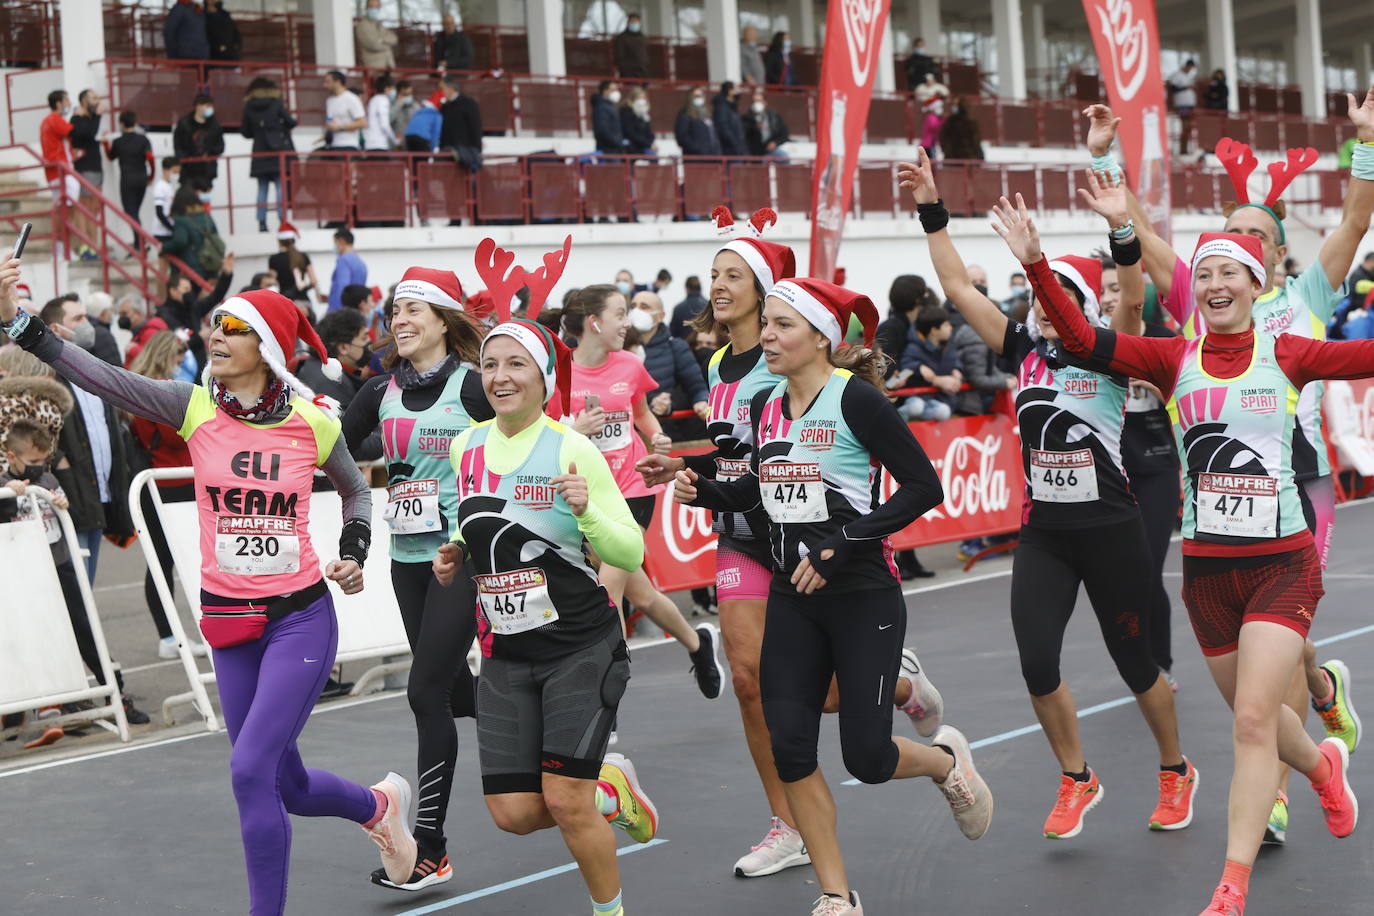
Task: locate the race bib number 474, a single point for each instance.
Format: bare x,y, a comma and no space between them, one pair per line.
793,492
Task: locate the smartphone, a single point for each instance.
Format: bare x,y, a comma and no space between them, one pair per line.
593,401
22,241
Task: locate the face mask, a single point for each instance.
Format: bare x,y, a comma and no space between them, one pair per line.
641,106
624,287
757,107
67,111
698,101
126,323
29,472
786,47
633,27
275,289
613,97
366,356
83,335
208,113
982,288
374,14
642,321
1018,290
204,198
391,94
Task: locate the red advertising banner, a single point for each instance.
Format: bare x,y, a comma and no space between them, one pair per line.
979,463
1126,36
849,62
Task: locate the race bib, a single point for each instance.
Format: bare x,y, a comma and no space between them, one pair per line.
412,507
1238,505
1063,477
257,545
515,601
731,468
615,434
793,492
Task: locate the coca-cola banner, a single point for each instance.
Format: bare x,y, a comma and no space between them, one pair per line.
849,63
1126,36
979,463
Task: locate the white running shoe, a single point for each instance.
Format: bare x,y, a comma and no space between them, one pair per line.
968,795
926,709
167,648
781,848
392,833
827,905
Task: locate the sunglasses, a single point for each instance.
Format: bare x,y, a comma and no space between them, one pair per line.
231,325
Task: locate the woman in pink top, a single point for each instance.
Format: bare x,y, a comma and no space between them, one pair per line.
610,408
256,436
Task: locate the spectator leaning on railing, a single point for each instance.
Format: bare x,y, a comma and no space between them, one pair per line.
425,125
635,124
452,47
630,50
199,135
375,42
461,128
607,129
267,123
183,34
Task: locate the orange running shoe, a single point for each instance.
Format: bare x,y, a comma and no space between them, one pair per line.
1075,800
1175,810
1227,900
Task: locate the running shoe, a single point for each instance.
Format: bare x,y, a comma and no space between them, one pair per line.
1339,805
1175,810
827,905
782,847
431,868
392,833
1074,801
1276,831
167,648
133,715
706,661
50,735
925,708
634,814
1227,900
1339,717
968,795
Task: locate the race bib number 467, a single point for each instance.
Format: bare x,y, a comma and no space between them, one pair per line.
515,601
257,545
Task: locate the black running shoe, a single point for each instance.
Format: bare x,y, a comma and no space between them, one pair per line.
431,868
333,688
133,714
706,663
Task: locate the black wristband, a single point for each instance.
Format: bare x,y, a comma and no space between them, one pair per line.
27,330
1125,253
934,217
355,541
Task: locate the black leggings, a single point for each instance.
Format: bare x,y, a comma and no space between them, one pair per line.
440,623
81,624
856,637
1113,564
1159,497
180,493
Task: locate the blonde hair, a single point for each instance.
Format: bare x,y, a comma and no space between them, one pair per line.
159,357
16,361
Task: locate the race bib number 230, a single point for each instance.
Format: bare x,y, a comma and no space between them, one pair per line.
257,545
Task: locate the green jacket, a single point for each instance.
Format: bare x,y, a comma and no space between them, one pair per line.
188,231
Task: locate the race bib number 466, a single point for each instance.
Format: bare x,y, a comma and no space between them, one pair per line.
515,601
793,492
1239,505
257,545
1063,477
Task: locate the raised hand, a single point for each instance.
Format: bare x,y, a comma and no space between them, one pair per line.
1101,129
1017,229
572,486
9,279
1106,195
918,178
1362,116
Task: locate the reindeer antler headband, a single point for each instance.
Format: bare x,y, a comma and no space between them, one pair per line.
503,281
760,220
1240,162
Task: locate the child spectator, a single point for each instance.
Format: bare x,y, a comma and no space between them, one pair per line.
933,363
137,169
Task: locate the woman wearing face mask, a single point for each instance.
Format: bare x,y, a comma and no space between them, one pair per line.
777,60
429,396
267,123
635,124
695,131
378,136
295,273
264,599
191,225
610,408
835,607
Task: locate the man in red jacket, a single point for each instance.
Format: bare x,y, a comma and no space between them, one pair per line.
52,137
133,316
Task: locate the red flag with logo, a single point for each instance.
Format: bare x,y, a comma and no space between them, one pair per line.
1126,36
853,37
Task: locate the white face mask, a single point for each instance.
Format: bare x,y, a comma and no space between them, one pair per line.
374,14
208,113
641,106
642,321
757,107
613,97
698,101
624,286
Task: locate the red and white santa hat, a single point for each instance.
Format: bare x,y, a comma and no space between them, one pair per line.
437,287
769,261
1243,248
1086,276
550,354
287,232
279,323
829,307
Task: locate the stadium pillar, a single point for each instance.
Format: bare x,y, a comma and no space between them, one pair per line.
801,22
661,18
1039,50
83,50
1364,67
545,25
1011,48
334,33
885,75
928,26
722,40
1308,57
1221,47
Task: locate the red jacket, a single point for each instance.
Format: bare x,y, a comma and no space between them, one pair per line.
142,336
52,136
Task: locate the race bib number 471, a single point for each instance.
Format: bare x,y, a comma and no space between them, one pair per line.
257,545
793,492
1239,505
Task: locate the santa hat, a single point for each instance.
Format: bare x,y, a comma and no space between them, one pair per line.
437,287
1243,248
279,324
550,354
829,307
287,232
1086,276
436,98
769,261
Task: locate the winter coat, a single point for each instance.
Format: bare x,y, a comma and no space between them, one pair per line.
777,67
890,340
981,374
223,35
942,360
639,132
729,127
427,123
375,44
141,337
669,360
400,115
453,52
606,128
188,231
751,63
78,479
33,397
918,64
960,137
760,130
311,371
192,138
696,136
461,128
105,346
267,123
183,34
630,51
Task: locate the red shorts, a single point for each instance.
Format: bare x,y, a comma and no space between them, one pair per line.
1223,593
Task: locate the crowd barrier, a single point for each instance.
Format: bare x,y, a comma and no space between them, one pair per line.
1348,408
42,665
370,624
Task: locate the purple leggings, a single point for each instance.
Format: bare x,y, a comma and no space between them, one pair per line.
267,688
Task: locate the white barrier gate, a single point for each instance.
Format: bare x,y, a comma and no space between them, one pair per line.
43,666
370,623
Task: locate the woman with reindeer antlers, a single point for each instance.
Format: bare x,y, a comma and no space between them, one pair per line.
530,492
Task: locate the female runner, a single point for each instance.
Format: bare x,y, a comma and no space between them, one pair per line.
530,491
429,397
1251,574
1081,523
256,438
835,605
608,398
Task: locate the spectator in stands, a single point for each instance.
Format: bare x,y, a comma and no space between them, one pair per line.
134,318
183,34
377,136
662,280
222,32
1363,271
689,308
751,58
184,313
704,345
349,269
918,64
695,132
669,360
1183,99
461,128
267,123
630,51
345,337
402,107
931,96
777,62
194,233
981,372
295,273
374,41
452,47
426,125
86,160
729,127
625,283
343,113
606,125
764,129
199,136
934,363
137,167
1218,95
53,140
1018,291
907,295
635,123
100,312
163,191
960,137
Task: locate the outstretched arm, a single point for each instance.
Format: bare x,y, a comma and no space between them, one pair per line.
1338,251
1107,195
